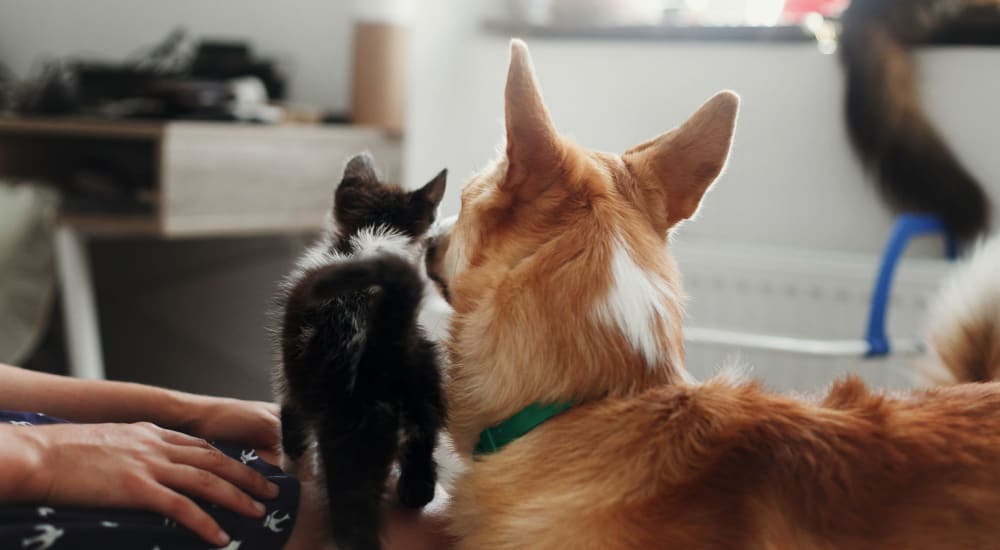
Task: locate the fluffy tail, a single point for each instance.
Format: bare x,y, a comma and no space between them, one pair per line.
964,326
401,289
914,167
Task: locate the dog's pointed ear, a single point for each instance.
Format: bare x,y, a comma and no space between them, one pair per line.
433,191
679,166
533,146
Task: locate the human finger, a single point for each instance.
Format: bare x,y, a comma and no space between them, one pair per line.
209,487
215,461
185,512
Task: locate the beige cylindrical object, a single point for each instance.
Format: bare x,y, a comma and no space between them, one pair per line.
378,90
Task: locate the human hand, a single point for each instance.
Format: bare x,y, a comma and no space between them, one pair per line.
141,466
253,423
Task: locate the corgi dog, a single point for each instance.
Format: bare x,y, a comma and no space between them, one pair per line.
568,316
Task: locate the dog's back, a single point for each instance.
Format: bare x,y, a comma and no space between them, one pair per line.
731,466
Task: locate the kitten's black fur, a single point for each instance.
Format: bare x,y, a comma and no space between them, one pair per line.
915,168
357,369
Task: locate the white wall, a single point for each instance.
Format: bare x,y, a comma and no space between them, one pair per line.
792,180
312,36
793,189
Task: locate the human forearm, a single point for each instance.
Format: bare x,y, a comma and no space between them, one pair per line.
94,400
20,460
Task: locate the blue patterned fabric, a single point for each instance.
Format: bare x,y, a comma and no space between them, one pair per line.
64,528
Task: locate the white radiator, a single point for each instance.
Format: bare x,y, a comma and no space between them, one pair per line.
800,294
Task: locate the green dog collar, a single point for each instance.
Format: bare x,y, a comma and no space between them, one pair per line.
527,419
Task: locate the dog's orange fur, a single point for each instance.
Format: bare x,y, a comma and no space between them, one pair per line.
649,459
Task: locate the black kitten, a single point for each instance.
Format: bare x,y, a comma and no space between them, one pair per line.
357,370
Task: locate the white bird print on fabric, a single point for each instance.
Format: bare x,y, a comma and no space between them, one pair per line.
109,524
248,456
273,522
44,540
45,511
233,545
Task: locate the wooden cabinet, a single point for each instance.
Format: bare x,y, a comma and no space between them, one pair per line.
197,178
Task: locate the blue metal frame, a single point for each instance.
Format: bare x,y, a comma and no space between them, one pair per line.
906,228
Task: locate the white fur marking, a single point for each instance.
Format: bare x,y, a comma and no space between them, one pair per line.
435,315
367,242
969,297
380,240
634,303
455,260
443,226
735,372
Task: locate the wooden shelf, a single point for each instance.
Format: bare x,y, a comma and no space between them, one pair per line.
105,225
209,178
665,33
81,127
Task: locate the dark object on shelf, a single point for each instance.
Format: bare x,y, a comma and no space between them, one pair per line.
53,92
102,82
127,92
337,117
188,98
227,60
165,81
6,89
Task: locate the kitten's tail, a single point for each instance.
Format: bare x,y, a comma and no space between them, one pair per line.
964,324
915,169
400,283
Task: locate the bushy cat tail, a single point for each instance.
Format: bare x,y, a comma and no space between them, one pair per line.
963,334
398,279
400,284
915,169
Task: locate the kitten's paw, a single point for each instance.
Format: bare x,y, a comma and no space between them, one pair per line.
415,492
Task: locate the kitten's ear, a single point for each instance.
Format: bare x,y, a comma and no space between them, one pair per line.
361,168
432,193
359,175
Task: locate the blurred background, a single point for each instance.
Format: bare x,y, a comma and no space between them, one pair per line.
162,164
